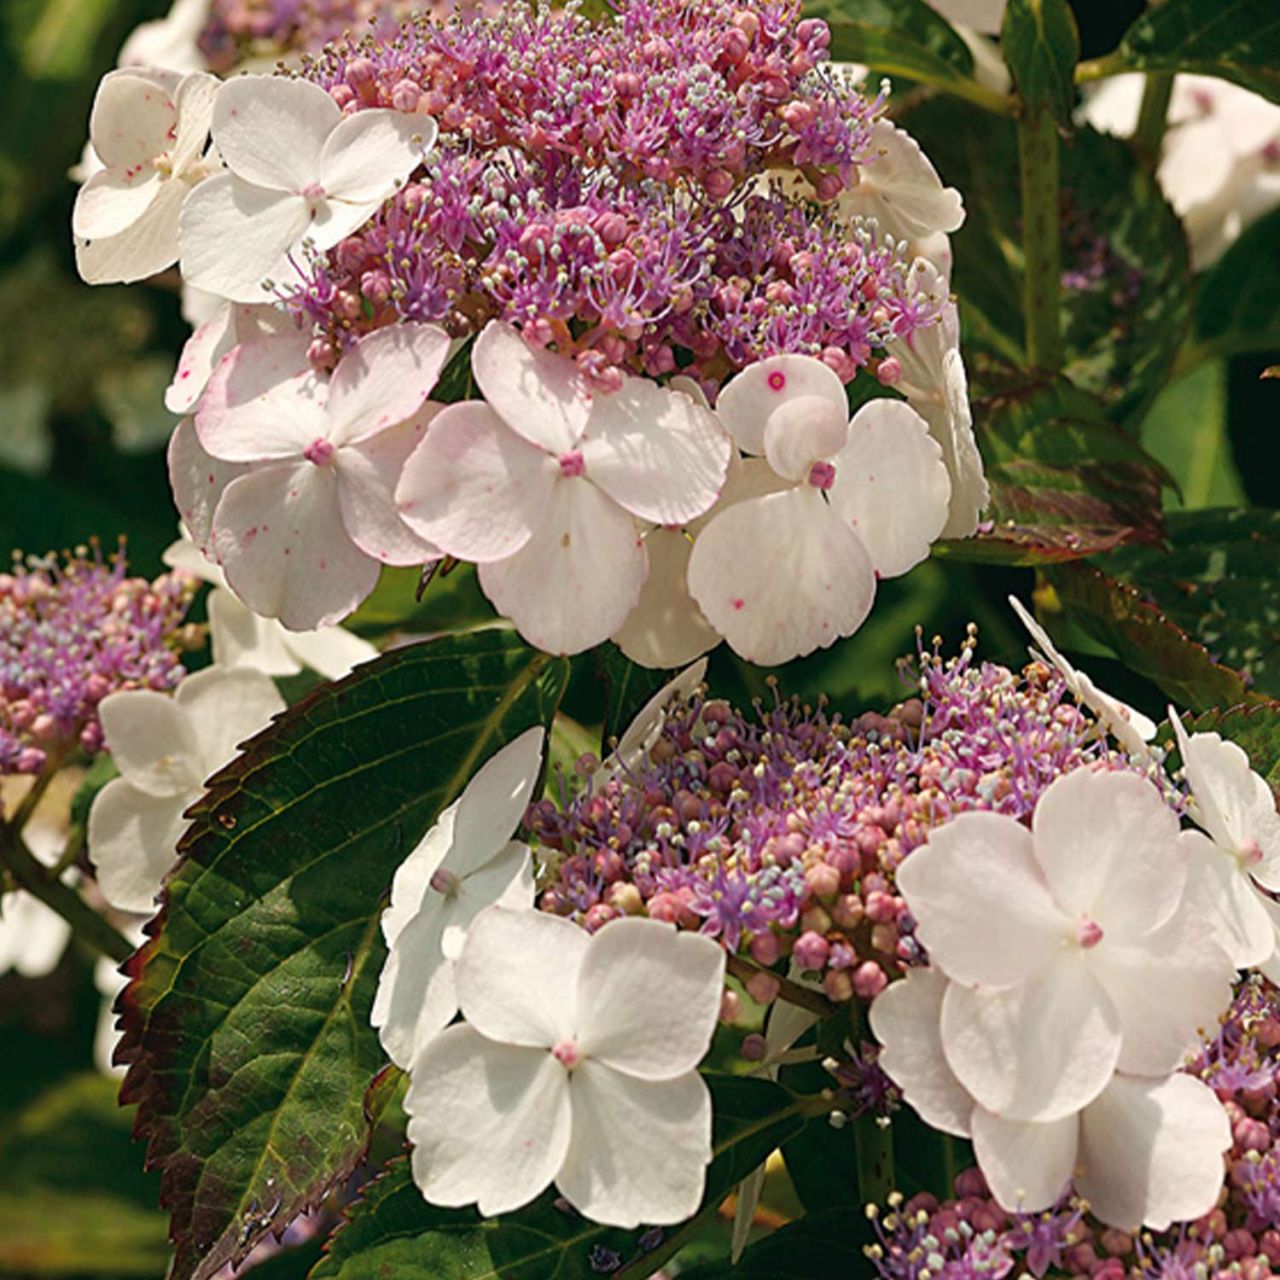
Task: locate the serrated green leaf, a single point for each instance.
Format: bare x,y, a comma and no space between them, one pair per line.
1234,39
818,1245
392,1233
627,687
1256,729
247,1021
1040,44
1239,304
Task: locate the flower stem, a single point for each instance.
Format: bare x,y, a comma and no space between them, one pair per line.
873,1153
1153,115
1042,248
792,992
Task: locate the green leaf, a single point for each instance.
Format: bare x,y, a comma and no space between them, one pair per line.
1256,729
247,1023
1040,43
831,1243
1239,304
452,601
627,687
46,1232
1233,39
392,1233
1220,583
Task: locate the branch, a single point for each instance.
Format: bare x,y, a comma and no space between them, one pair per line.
792,992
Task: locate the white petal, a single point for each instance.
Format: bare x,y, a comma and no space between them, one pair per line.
801,431
1026,1164
279,535
906,1018
32,935
384,380
152,741
541,396
892,485
132,837
489,1123
226,708
185,556
747,402
330,651
1224,896
640,1148
194,100
198,481
132,119
634,973
518,976
371,152
1108,846
142,250
573,584
204,349
666,629
413,875
780,576
1151,1152
234,235
169,41
271,130
985,16
506,880
473,487
417,994
113,200
1038,1051
981,903
950,422
240,638
642,733
655,452
493,804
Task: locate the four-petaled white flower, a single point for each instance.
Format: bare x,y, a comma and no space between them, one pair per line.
232,324
1073,949
32,935
171,41
296,169
468,861
306,515
148,129
541,485
165,748
837,505
1128,726
577,1065
1142,1151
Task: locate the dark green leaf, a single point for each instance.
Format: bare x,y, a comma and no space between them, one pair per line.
1040,43
48,1232
627,687
247,1023
817,1247
452,601
392,1232
1239,304
1256,729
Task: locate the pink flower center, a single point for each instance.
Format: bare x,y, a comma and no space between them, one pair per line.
1089,933
319,451
445,881
566,1054
1250,853
313,192
571,464
777,380
822,475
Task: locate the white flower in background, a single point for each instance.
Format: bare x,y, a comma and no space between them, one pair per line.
165,748
1144,1151
1220,165
1129,727
232,324
794,570
1072,949
169,42
32,935
301,529
148,129
542,484
110,983
240,638
296,169
642,734
577,1065
468,861
1238,810
983,16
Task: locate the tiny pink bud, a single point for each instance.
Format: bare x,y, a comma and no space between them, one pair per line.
869,980
445,881
765,949
763,988
889,371
754,1047
811,950
730,1006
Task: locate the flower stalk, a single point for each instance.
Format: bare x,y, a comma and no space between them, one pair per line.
1038,164
1153,117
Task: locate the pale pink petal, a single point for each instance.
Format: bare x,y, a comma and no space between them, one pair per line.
573,584
198,481
1037,1051
892,485
473,487
747,402
151,741
634,973
804,430
113,200
489,1123
271,130
132,121
329,651
906,1019
981,903
541,396
384,380
1151,1152
279,536
373,151
639,1149
1026,1164
201,352
226,708
493,804
132,837
194,100
518,977
1225,898
780,576
141,250
655,452
1108,846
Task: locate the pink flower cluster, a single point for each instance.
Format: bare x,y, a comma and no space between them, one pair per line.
71,633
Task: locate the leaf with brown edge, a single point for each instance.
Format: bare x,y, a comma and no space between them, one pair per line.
1255,729
246,1023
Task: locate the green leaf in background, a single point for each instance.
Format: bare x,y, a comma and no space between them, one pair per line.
452,601
392,1233
1234,39
1239,304
1220,583
828,1244
627,687
1040,44
248,1015
1256,729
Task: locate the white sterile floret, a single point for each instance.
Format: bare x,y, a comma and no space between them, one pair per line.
631,755
289,483
541,486
1073,949
468,861
232,324
836,505
240,638
1145,1151
169,42
165,748
985,16
1128,726
577,1065
296,169
148,129
32,935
